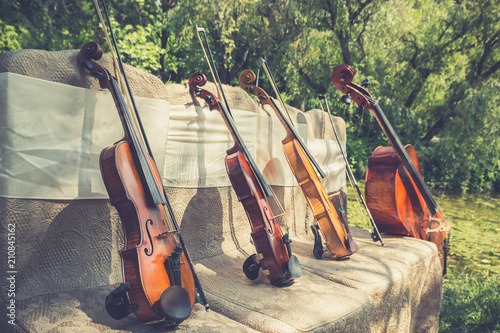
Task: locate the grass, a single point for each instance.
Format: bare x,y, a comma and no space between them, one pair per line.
471,291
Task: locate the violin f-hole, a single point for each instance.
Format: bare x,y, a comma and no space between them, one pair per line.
146,250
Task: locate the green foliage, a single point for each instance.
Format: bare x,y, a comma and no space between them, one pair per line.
9,37
467,157
471,304
433,66
139,48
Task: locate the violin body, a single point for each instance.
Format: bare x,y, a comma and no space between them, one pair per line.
274,254
144,253
336,235
266,233
160,285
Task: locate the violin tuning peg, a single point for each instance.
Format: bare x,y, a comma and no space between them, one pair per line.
365,83
87,64
359,110
97,74
346,99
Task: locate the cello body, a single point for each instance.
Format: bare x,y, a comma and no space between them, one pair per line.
395,202
396,208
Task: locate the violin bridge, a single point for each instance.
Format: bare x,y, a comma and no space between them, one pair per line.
276,216
168,234
443,225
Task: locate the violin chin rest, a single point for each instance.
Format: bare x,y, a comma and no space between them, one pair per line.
294,266
117,304
175,303
251,267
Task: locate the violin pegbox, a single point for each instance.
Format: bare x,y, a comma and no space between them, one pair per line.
88,53
342,77
198,80
247,81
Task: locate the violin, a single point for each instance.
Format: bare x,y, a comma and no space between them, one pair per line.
335,230
159,283
395,192
274,254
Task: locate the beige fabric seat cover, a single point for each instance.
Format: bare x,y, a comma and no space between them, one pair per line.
67,258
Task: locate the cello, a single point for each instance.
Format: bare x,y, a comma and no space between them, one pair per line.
335,230
274,255
160,285
395,192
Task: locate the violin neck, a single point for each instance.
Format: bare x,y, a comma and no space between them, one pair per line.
137,139
406,160
226,114
293,131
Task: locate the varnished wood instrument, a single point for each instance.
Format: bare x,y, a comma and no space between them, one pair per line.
274,254
336,234
395,192
158,283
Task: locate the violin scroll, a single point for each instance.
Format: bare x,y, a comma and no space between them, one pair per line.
88,53
247,80
92,50
199,80
247,76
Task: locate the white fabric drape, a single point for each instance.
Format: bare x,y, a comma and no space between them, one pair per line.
51,136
